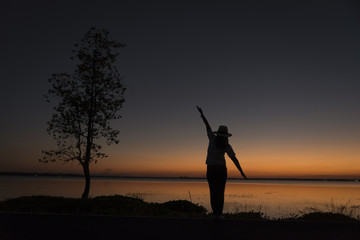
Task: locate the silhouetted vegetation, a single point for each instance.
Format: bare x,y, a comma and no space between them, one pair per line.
327,216
103,205
86,101
135,206
252,215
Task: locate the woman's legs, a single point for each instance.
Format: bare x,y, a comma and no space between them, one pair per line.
216,176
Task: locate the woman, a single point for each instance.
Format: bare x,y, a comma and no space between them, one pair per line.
216,166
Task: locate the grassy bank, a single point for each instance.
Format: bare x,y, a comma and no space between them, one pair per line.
135,206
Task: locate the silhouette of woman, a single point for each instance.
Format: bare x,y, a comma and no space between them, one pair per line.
216,166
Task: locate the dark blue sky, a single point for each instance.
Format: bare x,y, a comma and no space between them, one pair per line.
283,75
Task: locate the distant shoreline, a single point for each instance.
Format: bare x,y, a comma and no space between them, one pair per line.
27,174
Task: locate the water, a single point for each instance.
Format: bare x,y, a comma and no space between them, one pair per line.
274,198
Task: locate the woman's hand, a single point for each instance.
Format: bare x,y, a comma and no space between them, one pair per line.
243,174
200,110
208,128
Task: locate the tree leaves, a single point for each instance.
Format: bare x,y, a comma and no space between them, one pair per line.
87,100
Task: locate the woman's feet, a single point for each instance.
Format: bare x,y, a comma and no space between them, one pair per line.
219,217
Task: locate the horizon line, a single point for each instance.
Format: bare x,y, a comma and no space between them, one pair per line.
35,174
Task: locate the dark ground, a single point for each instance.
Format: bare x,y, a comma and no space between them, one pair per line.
53,226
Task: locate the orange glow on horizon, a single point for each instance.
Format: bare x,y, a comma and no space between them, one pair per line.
265,163
279,160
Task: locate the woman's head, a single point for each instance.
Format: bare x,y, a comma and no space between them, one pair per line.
223,131
222,134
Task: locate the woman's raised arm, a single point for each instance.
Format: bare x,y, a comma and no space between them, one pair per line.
208,128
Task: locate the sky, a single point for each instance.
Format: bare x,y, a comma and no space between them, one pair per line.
283,76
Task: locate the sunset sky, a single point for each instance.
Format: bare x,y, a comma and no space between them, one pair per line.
284,76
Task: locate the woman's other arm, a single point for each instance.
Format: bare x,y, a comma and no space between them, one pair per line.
237,164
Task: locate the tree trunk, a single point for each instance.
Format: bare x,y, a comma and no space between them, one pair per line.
85,194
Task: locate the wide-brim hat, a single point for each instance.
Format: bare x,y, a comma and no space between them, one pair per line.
223,131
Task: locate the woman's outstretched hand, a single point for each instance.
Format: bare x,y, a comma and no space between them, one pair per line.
243,174
208,128
245,177
200,110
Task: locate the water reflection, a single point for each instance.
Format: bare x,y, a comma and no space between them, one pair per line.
274,198
278,200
